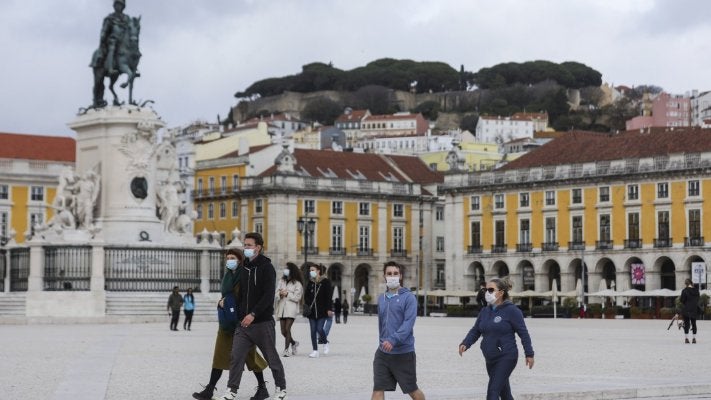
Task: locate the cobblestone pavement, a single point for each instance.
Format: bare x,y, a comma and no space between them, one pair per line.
575,359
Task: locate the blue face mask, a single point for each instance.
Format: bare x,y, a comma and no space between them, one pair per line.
249,253
231,264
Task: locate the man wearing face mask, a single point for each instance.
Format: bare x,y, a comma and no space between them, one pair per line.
395,362
256,314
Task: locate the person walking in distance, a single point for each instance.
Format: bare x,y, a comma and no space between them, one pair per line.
175,303
337,309
256,311
496,325
288,297
344,310
225,331
317,303
189,308
395,362
481,295
689,309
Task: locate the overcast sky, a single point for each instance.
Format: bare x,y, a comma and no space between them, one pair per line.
198,53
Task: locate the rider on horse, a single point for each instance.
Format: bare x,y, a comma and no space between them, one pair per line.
112,31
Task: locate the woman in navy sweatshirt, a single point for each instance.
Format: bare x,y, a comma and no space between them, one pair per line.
496,324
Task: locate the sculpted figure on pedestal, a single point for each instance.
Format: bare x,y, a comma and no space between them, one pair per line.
86,197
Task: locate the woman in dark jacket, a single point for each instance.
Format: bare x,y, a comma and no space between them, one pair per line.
318,307
690,309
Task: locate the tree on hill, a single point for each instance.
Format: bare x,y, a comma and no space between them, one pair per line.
323,110
568,74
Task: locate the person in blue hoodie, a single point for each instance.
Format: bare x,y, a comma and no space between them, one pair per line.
496,324
394,361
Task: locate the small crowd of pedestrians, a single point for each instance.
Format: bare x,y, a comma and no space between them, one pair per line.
175,303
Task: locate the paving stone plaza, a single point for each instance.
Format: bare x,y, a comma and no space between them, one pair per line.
575,359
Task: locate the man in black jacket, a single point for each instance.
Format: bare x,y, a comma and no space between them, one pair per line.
255,309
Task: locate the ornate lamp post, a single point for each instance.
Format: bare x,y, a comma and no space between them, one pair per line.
306,227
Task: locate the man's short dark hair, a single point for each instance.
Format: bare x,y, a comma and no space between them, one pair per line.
175,287
399,267
258,240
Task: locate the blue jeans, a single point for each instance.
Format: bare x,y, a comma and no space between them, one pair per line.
317,327
327,326
499,371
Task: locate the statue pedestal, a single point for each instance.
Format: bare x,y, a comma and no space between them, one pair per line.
119,144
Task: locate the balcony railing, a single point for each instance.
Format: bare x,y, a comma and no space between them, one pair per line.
498,248
398,253
603,244
474,249
576,245
697,241
663,242
311,250
364,252
337,251
524,247
549,246
633,243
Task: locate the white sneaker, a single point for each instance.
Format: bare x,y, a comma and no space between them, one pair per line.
285,353
314,354
294,347
326,349
229,395
280,394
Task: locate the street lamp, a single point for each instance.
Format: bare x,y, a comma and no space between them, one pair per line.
306,228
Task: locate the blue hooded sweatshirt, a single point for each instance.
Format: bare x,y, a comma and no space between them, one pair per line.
497,326
396,320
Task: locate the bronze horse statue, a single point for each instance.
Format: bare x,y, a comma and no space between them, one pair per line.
126,62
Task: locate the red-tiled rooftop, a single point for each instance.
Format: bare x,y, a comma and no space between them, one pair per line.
373,167
578,147
355,115
35,147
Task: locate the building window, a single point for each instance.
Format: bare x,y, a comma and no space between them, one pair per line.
36,219
632,192
259,228
4,193
439,213
476,203
578,229
605,227
37,193
604,194
337,236
364,237
3,224
550,230
235,183
662,190
476,234
398,210
211,185
210,211
223,210
310,206
693,188
199,185
499,233
223,184
694,224
337,207
198,209
235,209
440,278
577,196
398,238
440,244
525,234
498,201
550,197
663,224
364,209
633,226
524,200
258,206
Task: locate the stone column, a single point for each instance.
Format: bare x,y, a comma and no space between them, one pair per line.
98,280
35,279
205,271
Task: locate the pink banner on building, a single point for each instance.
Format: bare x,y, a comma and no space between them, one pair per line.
637,271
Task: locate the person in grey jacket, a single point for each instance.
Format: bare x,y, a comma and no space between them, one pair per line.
496,325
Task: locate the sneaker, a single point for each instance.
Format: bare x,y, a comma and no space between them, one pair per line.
286,353
294,347
280,394
686,340
206,394
229,395
314,354
693,340
261,393
325,348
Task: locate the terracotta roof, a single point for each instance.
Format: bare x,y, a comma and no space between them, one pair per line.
393,116
373,167
35,147
577,147
355,115
252,150
517,117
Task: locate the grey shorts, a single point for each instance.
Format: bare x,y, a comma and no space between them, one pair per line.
392,369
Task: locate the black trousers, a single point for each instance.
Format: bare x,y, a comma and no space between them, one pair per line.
174,319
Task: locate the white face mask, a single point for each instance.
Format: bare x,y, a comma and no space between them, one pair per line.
490,297
231,264
313,274
249,253
286,273
392,282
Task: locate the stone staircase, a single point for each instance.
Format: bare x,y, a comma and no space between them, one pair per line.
12,304
152,306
